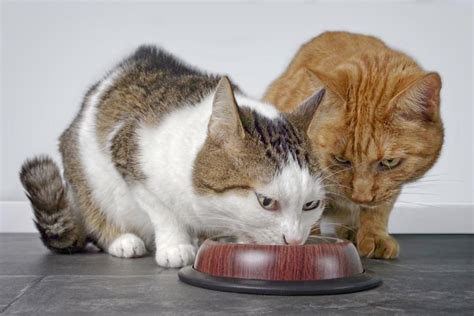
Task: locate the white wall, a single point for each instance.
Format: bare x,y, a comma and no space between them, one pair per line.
53,51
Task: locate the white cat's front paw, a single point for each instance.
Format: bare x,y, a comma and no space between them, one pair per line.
127,246
175,256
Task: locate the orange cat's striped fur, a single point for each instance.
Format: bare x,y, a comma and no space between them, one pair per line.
378,128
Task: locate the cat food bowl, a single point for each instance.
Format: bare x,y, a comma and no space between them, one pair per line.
323,265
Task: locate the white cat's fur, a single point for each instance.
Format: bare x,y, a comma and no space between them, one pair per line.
165,209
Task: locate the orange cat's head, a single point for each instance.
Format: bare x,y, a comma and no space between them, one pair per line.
378,128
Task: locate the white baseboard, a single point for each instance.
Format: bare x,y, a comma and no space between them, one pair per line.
16,217
437,219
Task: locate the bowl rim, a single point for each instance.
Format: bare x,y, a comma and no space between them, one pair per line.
314,240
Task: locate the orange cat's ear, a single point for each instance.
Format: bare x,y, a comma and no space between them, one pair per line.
420,100
305,112
336,83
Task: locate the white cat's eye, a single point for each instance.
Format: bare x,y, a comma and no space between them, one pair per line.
341,160
266,202
311,205
389,163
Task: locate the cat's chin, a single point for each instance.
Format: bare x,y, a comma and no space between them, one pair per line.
371,205
348,201
374,204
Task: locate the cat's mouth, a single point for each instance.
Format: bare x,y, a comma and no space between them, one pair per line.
371,205
346,196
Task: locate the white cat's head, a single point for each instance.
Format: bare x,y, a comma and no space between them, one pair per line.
256,172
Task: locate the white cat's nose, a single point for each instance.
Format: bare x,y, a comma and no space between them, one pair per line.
291,240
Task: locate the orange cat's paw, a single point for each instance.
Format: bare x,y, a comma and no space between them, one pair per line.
377,245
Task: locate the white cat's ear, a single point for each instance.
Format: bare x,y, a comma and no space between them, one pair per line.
420,100
225,124
303,114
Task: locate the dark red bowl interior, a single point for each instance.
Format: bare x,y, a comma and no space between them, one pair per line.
321,258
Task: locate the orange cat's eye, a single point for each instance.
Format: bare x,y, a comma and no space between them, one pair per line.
388,164
341,160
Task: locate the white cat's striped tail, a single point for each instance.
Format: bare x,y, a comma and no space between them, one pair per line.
59,228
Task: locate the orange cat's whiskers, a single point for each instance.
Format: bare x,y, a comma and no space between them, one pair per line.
417,204
332,190
332,181
336,194
335,173
419,193
338,225
335,184
331,178
328,167
331,197
430,181
434,175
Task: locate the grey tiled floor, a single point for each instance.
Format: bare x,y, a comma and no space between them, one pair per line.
434,275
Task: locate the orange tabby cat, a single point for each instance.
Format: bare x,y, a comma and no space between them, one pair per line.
378,128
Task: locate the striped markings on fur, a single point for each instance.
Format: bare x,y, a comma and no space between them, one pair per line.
55,221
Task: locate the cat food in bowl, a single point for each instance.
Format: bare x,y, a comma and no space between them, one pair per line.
323,265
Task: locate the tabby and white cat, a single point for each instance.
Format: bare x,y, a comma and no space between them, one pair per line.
160,153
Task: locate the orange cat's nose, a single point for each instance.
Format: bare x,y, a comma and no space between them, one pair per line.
362,189
362,198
